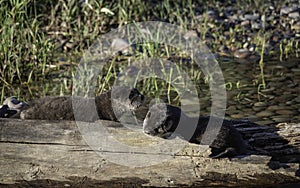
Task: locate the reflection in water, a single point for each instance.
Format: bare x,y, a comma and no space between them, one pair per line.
278,102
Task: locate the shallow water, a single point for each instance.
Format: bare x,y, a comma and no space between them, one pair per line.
278,102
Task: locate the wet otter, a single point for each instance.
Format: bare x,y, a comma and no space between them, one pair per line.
106,106
163,120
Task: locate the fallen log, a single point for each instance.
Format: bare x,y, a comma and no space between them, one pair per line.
35,153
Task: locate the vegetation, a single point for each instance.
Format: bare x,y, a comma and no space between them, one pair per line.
41,42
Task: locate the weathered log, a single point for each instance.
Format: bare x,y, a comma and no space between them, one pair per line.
55,153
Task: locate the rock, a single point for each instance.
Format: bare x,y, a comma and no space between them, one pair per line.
250,17
238,116
260,104
264,114
256,25
296,26
286,112
258,108
264,122
272,108
242,53
287,10
294,15
279,119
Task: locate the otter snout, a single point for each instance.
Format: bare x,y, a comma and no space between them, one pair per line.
151,132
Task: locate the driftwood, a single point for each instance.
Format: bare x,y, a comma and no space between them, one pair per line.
54,154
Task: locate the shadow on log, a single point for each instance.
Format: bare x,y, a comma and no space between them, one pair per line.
281,141
35,153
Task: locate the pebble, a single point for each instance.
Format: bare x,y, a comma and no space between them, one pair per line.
258,108
294,15
241,53
256,25
296,69
285,112
296,26
245,22
260,104
279,119
250,17
237,116
287,10
264,113
231,108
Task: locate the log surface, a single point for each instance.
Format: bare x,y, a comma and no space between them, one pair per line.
36,153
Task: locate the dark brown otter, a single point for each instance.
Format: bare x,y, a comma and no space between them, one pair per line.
107,106
164,120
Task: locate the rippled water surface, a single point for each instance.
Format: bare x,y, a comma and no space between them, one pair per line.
278,102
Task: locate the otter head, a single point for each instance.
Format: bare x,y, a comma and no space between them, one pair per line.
161,120
131,98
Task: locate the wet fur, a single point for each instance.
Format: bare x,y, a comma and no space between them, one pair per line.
163,120
87,109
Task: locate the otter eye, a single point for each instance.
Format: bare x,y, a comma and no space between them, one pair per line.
131,94
168,125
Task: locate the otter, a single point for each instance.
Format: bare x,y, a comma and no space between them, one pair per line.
107,106
163,120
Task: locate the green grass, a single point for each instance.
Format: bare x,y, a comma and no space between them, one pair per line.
35,33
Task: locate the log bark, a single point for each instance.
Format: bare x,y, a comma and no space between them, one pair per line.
35,153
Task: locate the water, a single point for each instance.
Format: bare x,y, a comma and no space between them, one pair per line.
278,102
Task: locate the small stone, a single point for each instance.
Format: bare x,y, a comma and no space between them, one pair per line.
231,108
264,114
279,119
296,69
294,15
237,116
255,25
296,26
241,53
257,108
285,112
287,10
260,104
250,17
245,22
